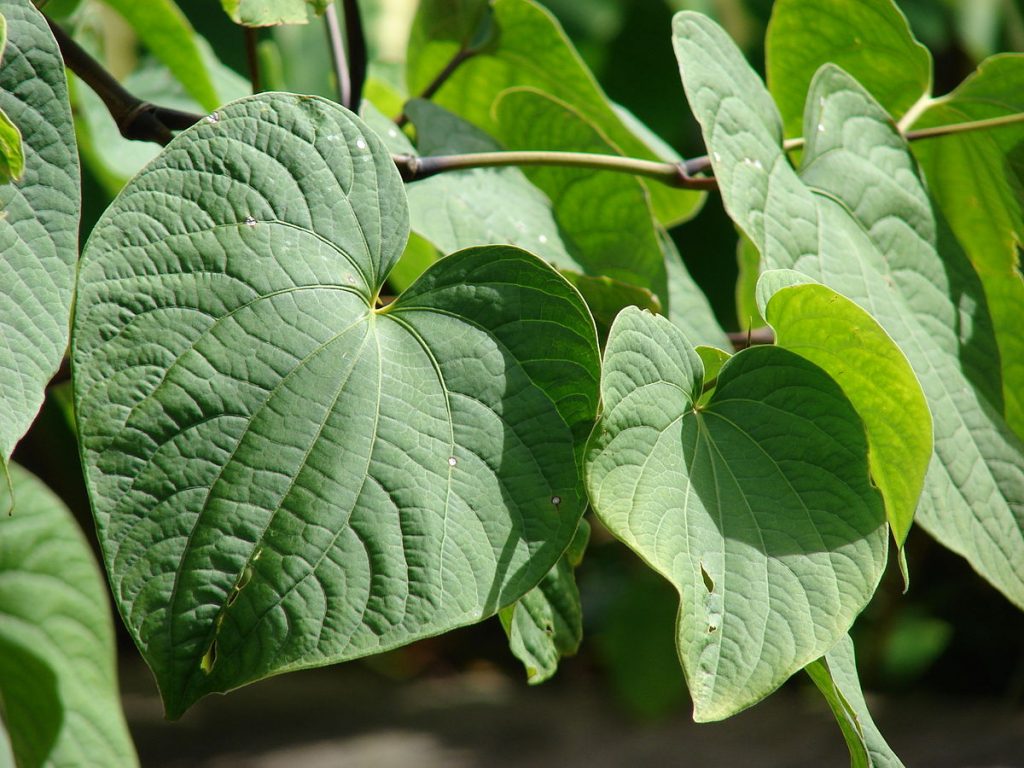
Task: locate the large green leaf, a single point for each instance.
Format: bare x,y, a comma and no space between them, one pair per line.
835,675
977,180
756,506
58,684
838,336
165,30
38,221
526,48
870,39
858,220
284,474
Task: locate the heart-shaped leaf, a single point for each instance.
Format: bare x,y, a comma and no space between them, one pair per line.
285,474
58,681
38,221
757,506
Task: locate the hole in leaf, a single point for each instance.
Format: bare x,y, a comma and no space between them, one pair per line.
709,583
209,658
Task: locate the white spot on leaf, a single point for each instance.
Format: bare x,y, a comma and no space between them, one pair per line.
452,461
213,117
250,221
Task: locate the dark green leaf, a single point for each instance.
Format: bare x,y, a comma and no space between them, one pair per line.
546,625
870,39
284,474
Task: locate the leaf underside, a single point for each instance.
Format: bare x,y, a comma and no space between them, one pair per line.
756,506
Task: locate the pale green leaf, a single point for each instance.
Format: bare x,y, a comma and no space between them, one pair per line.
977,181
526,47
857,219
38,221
870,39
546,625
838,336
835,675
283,474
165,30
59,697
756,506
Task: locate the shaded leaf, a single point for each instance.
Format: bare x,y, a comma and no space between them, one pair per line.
58,681
688,307
526,48
835,675
839,337
38,221
283,474
546,624
756,506
857,219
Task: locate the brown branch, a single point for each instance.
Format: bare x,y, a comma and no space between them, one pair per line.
461,56
136,119
414,168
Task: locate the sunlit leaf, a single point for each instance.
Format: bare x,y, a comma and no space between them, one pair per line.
756,506
870,39
858,220
283,473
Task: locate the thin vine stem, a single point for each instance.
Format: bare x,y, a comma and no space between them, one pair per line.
461,56
415,168
252,59
143,121
358,56
339,58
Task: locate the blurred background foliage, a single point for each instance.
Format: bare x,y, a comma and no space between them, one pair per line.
950,634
